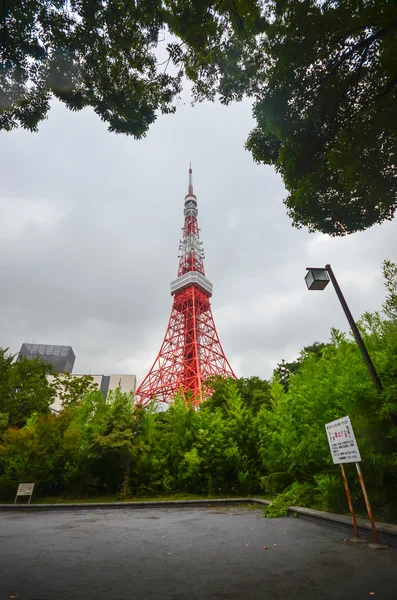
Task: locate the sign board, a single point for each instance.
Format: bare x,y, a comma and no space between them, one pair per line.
342,442
25,489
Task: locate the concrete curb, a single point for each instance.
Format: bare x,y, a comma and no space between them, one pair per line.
114,505
386,530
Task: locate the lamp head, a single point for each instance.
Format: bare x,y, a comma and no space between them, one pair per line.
316,279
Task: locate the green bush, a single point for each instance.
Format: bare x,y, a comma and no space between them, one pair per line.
8,488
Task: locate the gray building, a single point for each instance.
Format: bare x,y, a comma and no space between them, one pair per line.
60,357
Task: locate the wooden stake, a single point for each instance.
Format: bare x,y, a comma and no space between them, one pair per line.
367,503
349,499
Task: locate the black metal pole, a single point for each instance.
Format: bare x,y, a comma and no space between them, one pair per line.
357,335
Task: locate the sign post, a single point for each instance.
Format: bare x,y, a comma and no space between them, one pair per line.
25,489
349,500
367,503
344,449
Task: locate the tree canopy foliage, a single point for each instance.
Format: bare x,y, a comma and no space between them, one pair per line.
285,369
70,390
24,389
390,277
251,436
85,53
322,75
326,111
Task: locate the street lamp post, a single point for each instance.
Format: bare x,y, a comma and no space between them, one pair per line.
318,279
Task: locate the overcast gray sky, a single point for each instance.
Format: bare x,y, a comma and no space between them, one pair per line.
90,231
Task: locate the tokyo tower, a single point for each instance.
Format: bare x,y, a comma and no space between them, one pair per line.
191,351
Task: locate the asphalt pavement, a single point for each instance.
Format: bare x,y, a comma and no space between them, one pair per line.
214,553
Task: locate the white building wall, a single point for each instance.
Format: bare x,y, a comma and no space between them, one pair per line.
127,383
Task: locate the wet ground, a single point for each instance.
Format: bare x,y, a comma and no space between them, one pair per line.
185,554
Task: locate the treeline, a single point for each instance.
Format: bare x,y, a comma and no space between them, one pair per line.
250,437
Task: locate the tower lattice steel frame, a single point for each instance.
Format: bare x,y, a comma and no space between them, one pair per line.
191,351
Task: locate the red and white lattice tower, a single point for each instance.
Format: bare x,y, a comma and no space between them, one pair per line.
191,351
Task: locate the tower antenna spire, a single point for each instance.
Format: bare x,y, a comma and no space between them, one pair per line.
191,352
190,188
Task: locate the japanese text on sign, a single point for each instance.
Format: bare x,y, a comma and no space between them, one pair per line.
342,441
